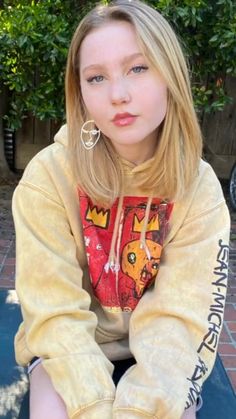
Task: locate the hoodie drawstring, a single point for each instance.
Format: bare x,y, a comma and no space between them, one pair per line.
113,260
143,244
114,254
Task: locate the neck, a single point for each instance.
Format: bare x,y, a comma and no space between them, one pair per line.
136,155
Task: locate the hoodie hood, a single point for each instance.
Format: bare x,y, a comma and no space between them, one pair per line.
131,170
61,136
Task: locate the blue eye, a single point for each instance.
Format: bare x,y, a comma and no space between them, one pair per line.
139,69
95,79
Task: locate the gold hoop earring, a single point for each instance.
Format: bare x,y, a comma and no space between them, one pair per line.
89,135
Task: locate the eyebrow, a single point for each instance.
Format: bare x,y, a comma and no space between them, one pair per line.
124,61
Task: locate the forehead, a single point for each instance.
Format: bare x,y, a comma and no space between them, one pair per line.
113,40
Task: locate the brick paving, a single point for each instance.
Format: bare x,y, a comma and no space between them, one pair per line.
227,345
7,237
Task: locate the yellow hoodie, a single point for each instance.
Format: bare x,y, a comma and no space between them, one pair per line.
161,302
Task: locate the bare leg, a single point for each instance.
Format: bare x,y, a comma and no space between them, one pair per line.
45,402
190,413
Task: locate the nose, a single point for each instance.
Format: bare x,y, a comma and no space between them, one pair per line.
119,92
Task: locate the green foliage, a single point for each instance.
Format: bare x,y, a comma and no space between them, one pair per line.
34,40
207,29
35,35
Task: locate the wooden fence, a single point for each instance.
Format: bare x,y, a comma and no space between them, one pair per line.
219,131
31,138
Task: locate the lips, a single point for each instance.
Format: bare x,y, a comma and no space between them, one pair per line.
124,119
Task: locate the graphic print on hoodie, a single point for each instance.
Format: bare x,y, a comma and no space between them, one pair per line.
119,284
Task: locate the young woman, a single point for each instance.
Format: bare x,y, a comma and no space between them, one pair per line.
122,233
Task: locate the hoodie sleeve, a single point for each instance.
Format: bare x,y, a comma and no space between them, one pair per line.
58,325
175,328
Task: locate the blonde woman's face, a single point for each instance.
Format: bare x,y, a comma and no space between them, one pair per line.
121,91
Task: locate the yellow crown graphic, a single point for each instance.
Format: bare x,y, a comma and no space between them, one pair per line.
99,218
152,225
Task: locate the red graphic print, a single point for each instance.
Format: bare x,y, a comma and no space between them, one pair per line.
121,289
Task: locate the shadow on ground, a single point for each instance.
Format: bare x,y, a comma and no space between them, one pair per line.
13,379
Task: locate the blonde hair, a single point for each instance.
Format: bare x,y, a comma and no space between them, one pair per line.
179,144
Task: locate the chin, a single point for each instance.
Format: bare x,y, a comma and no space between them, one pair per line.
128,141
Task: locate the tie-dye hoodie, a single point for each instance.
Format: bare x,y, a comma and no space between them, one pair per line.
144,278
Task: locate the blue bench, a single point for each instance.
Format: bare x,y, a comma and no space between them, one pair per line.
218,395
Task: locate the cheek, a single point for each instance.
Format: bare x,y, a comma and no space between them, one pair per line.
90,105
160,94
93,102
87,97
158,103
153,96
